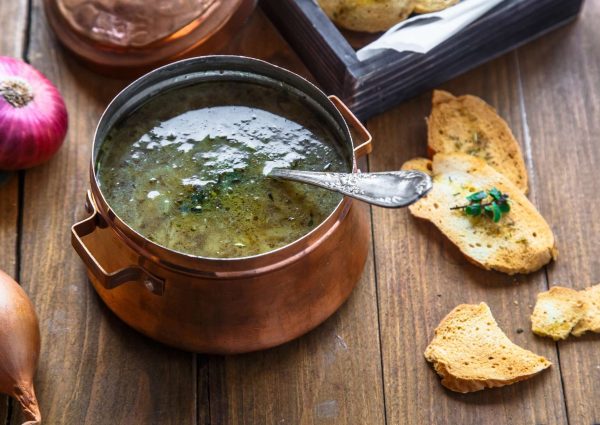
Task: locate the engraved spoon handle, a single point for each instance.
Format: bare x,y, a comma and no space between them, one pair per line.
393,189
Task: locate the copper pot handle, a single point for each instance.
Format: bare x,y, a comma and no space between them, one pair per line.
106,279
365,147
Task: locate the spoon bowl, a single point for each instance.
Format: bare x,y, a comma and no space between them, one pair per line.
391,189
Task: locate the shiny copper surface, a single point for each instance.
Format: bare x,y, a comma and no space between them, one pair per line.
235,314
225,305
131,23
127,38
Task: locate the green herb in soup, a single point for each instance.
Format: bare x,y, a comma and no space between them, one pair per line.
187,169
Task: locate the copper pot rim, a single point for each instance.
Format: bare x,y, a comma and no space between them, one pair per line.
214,266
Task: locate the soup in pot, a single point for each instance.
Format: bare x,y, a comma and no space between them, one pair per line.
188,168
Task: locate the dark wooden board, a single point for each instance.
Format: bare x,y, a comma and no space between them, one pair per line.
330,376
378,83
13,21
93,369
561,82
421,277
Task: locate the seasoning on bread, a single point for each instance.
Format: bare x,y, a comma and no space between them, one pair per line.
469,125
556,312
367,15
521,242
419,164
591,317
470,352
563,311
428,6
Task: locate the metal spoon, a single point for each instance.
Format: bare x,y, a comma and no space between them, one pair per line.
393,189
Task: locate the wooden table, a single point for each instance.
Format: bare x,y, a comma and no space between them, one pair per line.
364,365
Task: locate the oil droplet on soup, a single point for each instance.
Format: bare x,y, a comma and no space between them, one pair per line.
187,169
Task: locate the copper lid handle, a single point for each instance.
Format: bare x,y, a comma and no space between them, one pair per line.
108,280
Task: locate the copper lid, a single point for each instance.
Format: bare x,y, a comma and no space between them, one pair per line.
128,37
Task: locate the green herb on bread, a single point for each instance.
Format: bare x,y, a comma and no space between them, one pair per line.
494,209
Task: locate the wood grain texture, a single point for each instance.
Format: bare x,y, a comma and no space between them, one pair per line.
9,189
561,86
259,39
13,18
93,368
330,376
422,276
13,21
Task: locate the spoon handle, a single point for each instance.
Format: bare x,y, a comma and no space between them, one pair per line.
393,189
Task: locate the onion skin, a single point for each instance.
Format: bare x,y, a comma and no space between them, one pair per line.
19,347
32,132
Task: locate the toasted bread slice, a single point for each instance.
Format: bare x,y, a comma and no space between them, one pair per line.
469,125
556,312
428,6
367,15
591,317
521,242
470,352
419,164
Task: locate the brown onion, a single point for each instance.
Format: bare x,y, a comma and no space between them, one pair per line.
33,116
19,347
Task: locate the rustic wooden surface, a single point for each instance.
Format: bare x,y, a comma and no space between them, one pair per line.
417,293
364,366
13,21
563,74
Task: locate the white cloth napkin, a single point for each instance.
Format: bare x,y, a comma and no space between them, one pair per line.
423,32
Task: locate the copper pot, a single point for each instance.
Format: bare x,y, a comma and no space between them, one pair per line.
230,305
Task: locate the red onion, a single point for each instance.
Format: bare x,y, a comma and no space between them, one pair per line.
33,116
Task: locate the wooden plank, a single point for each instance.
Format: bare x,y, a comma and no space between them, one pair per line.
8,224
13,18
259,39
13,21
330,376
421,277
93,368
561,85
